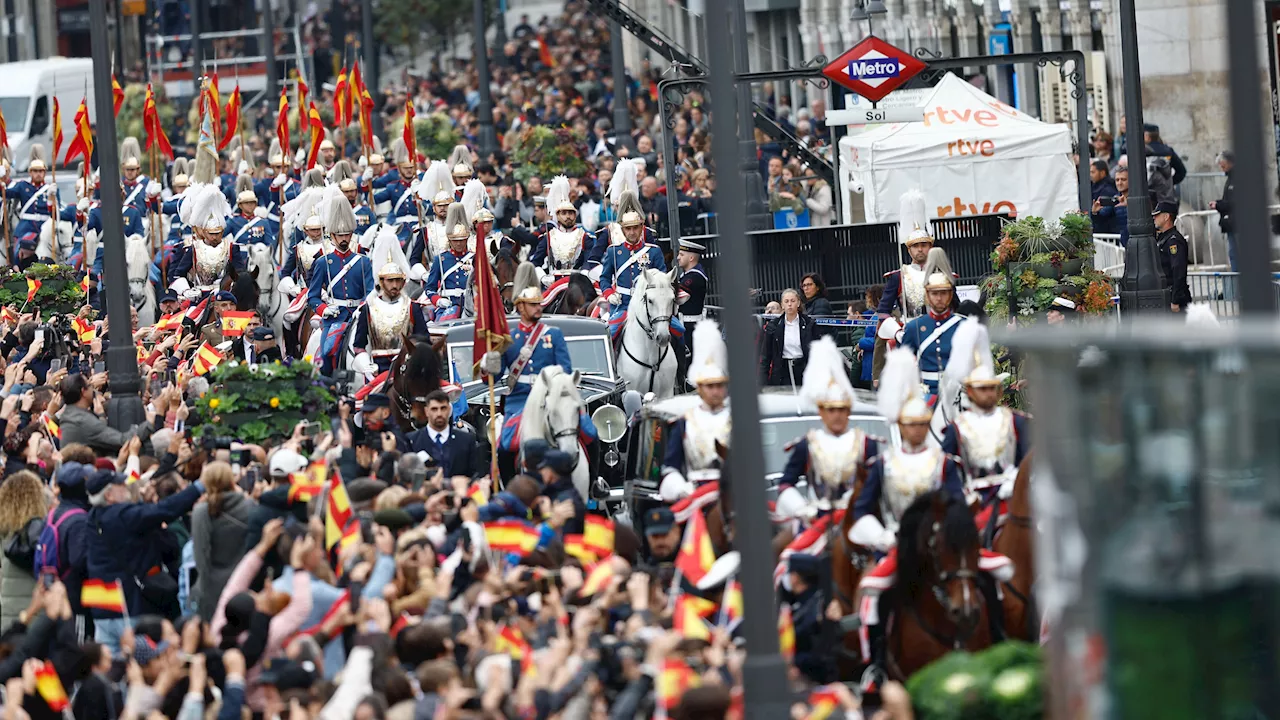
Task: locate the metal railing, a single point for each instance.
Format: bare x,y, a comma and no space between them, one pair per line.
852,258
1108,254
1220,291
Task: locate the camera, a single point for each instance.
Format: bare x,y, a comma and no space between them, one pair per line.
217,442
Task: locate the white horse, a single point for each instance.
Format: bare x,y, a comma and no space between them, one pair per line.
552,413
137,254
66,240
647,361
271,304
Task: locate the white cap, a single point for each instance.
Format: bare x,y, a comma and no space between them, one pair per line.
285,462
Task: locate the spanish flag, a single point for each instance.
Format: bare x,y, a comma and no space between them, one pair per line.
544,52
282,122
32,286
117,96
689,613
696,555
206,359
84,284
598,578
360,94
598,535
155,129
57,130
317,134
786,634
49,686
9,315
732,602
303,93
235,321
310,484
351,535
574,546
103,595
512,642
172,321
342,100
409,135
233,117
85,329
338,512
511,536
82,143
823,701
675,678
213,104
477,494
51,426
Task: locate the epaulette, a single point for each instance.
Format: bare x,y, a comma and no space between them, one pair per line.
1026,415
893,272
791,445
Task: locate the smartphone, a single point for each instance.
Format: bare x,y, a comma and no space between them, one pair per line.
311,429
47,578
240,457
55,365
354,592
248,479
39,334
99,367
157,386
1107,201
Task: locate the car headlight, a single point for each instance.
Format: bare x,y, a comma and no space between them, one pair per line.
610,422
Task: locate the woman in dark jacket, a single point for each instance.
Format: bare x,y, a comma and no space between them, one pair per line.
816,303
218,528
782,357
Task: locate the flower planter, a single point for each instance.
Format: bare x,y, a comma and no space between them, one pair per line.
47,297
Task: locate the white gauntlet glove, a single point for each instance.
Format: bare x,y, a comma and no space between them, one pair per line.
260,212
288,286
280,180
82,205
243,168
443,303
367,174
615,299
364,364
330,312
153,189
418,273
491,363
363,162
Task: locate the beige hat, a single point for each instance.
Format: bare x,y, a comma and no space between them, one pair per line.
327,144
528,295
632,219
444,197
313,221
481,215
391,270
36,164
246,196
347,184
376,159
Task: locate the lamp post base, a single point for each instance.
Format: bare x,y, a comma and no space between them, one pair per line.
124,411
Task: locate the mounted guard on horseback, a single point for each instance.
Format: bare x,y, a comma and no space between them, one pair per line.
339,283
201,265
691,465
567,246
447,281
387,315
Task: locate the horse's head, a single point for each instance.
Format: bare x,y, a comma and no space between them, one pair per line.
653,300
505,264
938,551
415,373
244,285
563,407
138,261
262,267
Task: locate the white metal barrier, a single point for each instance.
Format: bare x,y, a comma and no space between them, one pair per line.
1108,254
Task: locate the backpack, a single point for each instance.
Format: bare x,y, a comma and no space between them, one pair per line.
20,547
47,549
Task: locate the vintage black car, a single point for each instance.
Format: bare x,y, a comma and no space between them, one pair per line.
590,352
784,417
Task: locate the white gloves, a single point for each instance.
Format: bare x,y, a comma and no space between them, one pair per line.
288,286
615,299
790,504
330,312
363,162
179,285
675,487
869,532
300,156
367,174
82,205
491,363
191,294
153,189
280,180
364,364
315,324
443,303
4,170
1006,490
418,272
243,168
547,279
260,212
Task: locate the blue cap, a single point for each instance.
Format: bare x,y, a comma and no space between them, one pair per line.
71,474
263,332
809,566
1168,206
27,242
101,479
169,296
560,462
375,401
145,649
659,521
534,450
224,296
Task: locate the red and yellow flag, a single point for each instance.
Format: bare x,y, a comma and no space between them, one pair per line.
213,104
282,123
511,536
117,96
234,104
172,321
303,92
598,578
477,494
49,687
408,133
9,315
206,359
82,143
351,535
57,130
673,681
103,595
235,321
338,512
85,329
151,123
4,131
598,535
732,602
342,100
309,484
575,546
51,426
317,135
786,634
690,612
823,702
696,554
33,285
544,53
364,106
84,284
512,642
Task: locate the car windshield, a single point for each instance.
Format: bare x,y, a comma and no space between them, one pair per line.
15,112
778,432
588,355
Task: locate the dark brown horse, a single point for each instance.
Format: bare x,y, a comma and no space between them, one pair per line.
1016,540
415,372
937,603
505,262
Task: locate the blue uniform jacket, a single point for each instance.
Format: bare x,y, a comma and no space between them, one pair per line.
135,193
34,204
350,290
932,350
618,274
798,461
293,266
448,277
364,218
269,197
397,193
868,500
550,349
244,229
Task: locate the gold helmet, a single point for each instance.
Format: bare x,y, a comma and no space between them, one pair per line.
913,219
376,159
391,270
528,295
481,215
246,196
455,223
313,222
444,197
631,219
347,185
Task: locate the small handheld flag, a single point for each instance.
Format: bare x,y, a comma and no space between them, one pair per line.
206,359
234,322
117,96
49,687
103,595
33,285
598,535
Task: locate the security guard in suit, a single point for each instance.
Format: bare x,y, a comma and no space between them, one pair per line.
1173,255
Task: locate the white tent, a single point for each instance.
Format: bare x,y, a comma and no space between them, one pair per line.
972,155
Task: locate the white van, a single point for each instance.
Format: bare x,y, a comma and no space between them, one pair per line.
27,90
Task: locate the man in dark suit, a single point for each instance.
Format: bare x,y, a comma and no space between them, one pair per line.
265,347
455,451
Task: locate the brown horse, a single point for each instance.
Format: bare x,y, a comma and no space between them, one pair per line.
415,372
1016,540
937,603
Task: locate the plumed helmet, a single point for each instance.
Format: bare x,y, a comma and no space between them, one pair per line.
400,153
313,222
35,157
937,271
455,223
275,156
826,384
899,397
130,151
629,204
710,357
390,270
913,219
460,162
244,184
341,218
558,195
313,178
528,295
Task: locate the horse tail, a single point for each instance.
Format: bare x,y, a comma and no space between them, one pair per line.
526,277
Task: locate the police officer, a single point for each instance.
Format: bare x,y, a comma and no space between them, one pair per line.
1173,255
803,597
556,469
691,293
662,536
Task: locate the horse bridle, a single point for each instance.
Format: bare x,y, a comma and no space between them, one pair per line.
963,574
405,403
653,321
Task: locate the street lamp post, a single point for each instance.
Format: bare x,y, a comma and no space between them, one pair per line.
500,35
621,96
371,58
269,46
748,160
124,409
1144,287
488,137
765,672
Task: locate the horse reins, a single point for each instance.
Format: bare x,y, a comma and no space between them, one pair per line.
963,574
652,335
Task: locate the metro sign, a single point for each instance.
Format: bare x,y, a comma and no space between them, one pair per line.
873,68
